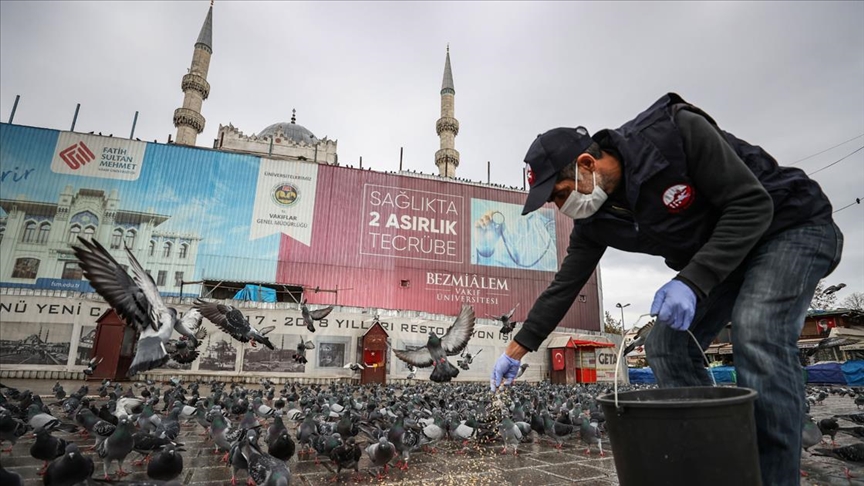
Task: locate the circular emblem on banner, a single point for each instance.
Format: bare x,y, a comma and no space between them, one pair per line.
678,197
285,194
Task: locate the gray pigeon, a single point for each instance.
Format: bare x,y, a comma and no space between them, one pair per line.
511,434
639,339
309,317
590,434
522,368
265,469
70,468
381,453
507,325
302,346
136,299
232,322
437,349
810,433
167,464
117,447
92,364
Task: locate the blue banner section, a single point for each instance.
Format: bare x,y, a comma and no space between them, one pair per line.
63,284
256,293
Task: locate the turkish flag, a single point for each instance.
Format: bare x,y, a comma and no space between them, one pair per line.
558,359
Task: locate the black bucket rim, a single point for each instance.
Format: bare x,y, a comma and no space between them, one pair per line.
748,395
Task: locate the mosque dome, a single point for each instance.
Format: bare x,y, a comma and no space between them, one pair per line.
291,130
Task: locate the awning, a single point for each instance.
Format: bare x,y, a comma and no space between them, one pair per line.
727,349
590,344
560,342
808,343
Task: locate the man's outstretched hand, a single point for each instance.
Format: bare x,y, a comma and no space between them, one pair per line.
505,371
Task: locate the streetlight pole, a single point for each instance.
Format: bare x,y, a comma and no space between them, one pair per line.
618,305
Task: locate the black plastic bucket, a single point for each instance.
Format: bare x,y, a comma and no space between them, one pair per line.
684,436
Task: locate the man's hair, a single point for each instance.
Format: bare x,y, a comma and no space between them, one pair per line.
569,171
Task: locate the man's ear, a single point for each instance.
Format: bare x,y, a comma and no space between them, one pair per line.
585,161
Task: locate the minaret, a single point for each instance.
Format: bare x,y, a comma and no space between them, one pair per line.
447,158
188,119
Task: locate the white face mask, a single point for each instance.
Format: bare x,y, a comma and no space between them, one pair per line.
581,206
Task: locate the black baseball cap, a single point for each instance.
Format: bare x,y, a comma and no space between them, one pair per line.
549,153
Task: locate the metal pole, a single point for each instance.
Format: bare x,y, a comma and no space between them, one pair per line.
400,154
14,107
361,161
75,118
134,122
488,172
524,177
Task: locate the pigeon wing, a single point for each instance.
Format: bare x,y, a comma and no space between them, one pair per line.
319,314
189,323
111,281
225,318
148,288
459,334
512,311
417,357
309,345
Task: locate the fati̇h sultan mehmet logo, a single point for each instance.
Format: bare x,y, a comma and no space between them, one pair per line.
77,155
285,194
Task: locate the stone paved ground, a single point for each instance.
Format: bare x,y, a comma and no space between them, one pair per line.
537,464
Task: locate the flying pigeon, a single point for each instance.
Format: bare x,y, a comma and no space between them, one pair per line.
522,368
639,339
437,349
354,366
232,322
92,364
412,372
309,317
302,346
136,299
507,326
834,288
467,358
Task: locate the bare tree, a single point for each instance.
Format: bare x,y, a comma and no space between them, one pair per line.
855,301
822,300
611,325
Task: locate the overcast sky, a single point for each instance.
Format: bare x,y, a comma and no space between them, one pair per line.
788,76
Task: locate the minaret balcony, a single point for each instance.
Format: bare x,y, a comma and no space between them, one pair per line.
447,156
197,83
190,118
447,124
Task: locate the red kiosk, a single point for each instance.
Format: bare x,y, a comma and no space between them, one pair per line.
115,344
374,355
574,360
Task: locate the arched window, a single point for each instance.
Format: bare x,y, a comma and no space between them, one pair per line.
29,232
44,230
89,232
166,249
151,249
74,231
116,239
25,268
184,250
130,238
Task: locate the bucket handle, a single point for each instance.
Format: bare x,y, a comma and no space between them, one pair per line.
618,408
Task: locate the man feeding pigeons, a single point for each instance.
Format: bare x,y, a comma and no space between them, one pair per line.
749,238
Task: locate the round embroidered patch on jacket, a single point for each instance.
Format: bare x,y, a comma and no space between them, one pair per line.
678,197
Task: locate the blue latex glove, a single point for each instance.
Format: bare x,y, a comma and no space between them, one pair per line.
674,305
505,370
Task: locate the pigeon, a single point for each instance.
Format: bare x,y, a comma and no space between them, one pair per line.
639,338
437,349
46,448
853,431
347,456
381,453
309,317
281,446
831,342
467,359
522,368
92,364
853,453
117,447
412,372
59,392
834,288
829,427
354,366
507,326
302,346
136,299
167,464
265,469
10,478
810,434
69,469
858,418
590,434
511,434
10,429
181,350
232,322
